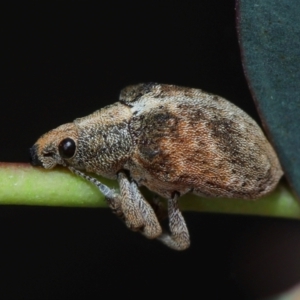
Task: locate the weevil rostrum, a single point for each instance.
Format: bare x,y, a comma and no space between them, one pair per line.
171,139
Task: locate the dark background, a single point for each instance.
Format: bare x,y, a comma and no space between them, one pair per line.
61,60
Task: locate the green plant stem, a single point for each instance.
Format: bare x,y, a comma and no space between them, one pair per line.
22,184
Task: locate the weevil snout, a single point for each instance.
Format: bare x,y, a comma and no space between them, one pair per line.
56,147
33,157
47,158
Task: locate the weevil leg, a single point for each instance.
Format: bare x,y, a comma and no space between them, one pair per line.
123,205
179,238
129,206
152,228
138,213
159,209
115,205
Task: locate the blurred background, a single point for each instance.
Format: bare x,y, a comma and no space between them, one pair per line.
65,59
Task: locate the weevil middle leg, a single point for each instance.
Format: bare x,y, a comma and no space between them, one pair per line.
152,228
179,238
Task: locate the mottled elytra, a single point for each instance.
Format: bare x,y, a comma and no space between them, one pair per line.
171,139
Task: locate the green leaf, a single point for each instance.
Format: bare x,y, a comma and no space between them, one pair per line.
269,33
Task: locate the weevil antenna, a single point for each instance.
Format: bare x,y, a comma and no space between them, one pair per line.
105,190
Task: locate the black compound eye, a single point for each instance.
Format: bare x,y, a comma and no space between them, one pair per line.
66,148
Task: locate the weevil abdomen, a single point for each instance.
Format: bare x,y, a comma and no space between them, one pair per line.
188,140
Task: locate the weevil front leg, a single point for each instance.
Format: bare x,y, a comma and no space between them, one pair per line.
137,208
179,238
123,204
129,205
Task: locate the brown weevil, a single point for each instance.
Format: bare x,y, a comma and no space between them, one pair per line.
171,139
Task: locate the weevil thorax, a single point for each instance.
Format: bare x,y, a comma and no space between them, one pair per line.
104,141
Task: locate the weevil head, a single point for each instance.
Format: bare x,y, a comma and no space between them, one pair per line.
57,147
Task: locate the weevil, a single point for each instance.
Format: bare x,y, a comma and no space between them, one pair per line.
172,140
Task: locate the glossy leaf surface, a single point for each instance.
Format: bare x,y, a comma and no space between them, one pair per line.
269,32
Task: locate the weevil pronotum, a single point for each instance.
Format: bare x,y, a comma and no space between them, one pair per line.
171,139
